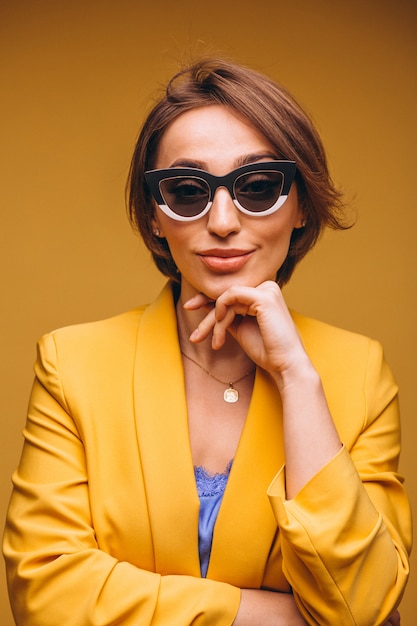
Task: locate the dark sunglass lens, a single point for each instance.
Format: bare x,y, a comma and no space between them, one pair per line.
259,191
186,196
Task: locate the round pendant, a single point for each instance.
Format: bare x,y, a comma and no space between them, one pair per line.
231,395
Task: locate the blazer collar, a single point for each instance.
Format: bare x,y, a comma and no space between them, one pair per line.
164,446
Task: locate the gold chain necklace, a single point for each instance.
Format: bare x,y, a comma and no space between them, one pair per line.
230,394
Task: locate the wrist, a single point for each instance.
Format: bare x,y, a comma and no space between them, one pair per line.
300,374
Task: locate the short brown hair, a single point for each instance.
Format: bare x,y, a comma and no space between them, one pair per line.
269,108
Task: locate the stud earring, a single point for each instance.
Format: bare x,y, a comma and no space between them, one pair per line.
156,232
303,223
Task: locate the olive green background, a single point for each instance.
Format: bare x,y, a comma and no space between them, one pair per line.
75,79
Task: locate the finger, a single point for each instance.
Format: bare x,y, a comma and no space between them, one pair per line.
247,300
241,299
204,328
197,302
239,308
221,327
218,319
395,619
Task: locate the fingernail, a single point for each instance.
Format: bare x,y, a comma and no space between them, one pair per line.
194,334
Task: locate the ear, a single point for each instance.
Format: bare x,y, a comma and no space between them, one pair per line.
301,218
156,228
301,222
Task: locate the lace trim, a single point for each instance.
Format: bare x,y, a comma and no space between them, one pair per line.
208,484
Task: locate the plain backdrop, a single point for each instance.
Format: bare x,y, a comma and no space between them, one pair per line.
77,77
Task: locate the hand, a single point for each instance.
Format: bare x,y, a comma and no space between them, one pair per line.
393,620
267,608
258,318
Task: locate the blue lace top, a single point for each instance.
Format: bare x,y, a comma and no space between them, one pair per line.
210,489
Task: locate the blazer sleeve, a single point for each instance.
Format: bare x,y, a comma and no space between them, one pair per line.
56,572
346,536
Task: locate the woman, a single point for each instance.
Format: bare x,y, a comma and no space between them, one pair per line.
213,458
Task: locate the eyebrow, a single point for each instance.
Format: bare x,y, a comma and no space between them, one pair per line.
243,160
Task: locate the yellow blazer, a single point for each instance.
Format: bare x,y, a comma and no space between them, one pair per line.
103,521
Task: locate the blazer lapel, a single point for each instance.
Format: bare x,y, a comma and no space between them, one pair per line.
164,447
163,440
245,510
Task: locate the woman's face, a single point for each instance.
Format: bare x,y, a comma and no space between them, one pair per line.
224,247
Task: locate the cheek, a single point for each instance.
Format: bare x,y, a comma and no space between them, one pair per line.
177,235
277,241
169,228
279,228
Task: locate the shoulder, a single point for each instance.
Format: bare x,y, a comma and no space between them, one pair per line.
82,362
103,345
94,345
112,328
356,378
318,334
337,352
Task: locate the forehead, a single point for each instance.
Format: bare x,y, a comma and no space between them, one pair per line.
210,134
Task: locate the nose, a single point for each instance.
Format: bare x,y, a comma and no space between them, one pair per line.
224,216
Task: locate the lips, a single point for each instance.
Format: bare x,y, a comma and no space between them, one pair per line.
225,260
